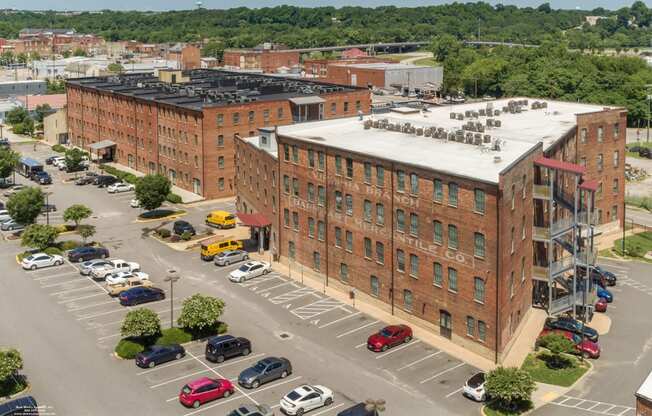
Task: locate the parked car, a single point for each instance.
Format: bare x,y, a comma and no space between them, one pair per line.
42,177
204,390
220,219
79,168
213,246
357,410
50,160
266,370
48,208
583,346
252,410
85,253
604,293
572,325
230,256
139,295
11,225
14,190
474,388
608,276
159,354
6,182
114,266
85,180
116,288
122,277
102,181
86,267
305,398
120,187
249,270
4,215
645,152
222,347
601,305
134,203
39,260
21,406
181,226
389,337
58,160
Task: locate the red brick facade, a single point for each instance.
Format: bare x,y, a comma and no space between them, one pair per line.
269,61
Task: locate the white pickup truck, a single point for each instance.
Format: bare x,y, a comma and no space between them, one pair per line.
114,266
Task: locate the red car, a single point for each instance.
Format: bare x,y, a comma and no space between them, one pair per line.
389,337
601,305
588,349
204,390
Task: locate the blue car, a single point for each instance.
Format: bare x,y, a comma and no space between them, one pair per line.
604,293
158,354
25,405
137,295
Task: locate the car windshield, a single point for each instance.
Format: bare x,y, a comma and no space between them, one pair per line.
476,380
317,390
259,367
293,395
222,254
29,258
186,389
386,332
577,339
244,268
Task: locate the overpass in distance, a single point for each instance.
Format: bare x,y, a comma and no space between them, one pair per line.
404,46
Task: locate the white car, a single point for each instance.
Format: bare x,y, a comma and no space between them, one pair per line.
58,161
101,271
305,398
38,260
122,277
134,203
4,215
474,388
249,270
120,187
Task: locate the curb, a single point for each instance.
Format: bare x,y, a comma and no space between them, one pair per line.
23,391
17,261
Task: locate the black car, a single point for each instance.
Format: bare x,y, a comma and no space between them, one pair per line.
645,152
222,347
137,295
609,278
181,227
22,406
85,180
102,181
571,325
79,168
42,177
50,160
4,142
159,354
48,208
87,253
266,370
357,410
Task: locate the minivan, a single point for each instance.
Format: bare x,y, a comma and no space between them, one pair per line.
220,219
222,347
209,248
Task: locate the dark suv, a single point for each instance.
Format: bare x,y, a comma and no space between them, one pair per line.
87,253
102,181
221,347
25,405
571,325
182,226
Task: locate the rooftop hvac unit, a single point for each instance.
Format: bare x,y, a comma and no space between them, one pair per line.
469,137
490,107
482,112
420,131
544,105
496,113
460,116
480,128
367,124
505,109
497,145
486,138
467,113
453,116
477,139
497,123
474,114
490,122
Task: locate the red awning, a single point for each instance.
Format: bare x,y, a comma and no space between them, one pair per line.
253,220
558,164
590,185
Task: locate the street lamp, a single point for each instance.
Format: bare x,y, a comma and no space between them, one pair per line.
172,277
375,406
47,207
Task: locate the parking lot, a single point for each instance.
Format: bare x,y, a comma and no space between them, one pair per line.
323,338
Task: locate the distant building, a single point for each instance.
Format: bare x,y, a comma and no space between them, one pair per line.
386,75
593,20
14,88
353,53
209,62
55,127
644,397
187,56
267,57
318,68
55,101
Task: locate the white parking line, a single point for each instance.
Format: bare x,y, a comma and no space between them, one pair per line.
64,283
53,276
419,360
72,290
317,308
356,329
93,305
361,345
257,281
337,406
338,320
293,295
95,315
80,298
393,350
201,371
441,373
95,326
454,392
274,287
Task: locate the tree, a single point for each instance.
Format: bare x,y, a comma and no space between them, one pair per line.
213,48
510,387
140,323
200,312
39,236
115,67
25,206
41,111
74,159
16,116
79,52
10,362
76,213
151,191
86,231
557,344
8,161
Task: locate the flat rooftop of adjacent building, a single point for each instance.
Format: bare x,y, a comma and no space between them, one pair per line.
518,135
383,65
209,88
255,142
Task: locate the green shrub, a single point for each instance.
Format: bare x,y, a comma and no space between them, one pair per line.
163,232
68,245
173,336
128,349
174,198
222,328
186,236
58,148
53,250
122,175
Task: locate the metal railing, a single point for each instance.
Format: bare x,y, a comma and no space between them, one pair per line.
561,265
561,304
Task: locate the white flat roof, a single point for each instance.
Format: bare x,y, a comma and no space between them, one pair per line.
519,134
255,142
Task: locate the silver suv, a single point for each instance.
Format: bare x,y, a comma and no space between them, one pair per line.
230,256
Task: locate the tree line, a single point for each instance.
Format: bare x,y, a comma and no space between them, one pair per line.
299,27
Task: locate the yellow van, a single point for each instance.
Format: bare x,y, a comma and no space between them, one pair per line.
213,246
220,219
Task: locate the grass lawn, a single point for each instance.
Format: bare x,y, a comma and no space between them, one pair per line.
606,253
636,246
426,62
491,409
539,370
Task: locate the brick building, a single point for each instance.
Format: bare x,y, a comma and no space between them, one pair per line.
267,58
318,68
386,75
435,227
187,56
183,123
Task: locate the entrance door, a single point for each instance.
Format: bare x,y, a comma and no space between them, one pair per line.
196,186
445,324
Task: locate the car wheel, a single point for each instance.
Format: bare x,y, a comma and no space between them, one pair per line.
265,271
152,364
160,297
178,356
226,263
255,384
227,394
384,348
103,256
407,339
245,352
33,267
299,412
483,397
586,355
195,404
284,374
220,359
58,263
328,401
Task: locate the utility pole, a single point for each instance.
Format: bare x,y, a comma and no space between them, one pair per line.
172,277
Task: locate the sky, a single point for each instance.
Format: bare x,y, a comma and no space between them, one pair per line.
224,4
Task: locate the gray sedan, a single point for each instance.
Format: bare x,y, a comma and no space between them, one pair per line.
230,257
86,267
264,371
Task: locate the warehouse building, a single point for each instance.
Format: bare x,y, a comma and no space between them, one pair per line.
182,123
386,75
457,218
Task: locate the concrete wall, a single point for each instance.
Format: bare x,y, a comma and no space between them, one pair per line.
10,88
416,77
55,127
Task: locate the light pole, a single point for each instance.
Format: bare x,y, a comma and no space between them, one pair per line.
172,277
375,406
47,207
